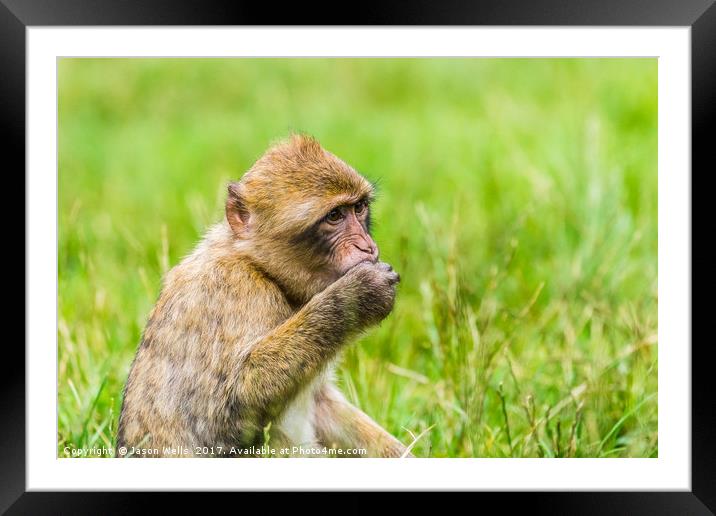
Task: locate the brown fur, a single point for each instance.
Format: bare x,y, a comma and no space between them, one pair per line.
247,327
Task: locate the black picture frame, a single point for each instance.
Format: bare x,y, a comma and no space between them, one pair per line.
17,15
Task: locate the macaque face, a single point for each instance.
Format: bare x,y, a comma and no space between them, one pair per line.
337,241
345,238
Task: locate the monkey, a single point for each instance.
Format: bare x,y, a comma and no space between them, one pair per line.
245,336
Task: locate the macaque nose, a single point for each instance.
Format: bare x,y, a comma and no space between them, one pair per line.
368,248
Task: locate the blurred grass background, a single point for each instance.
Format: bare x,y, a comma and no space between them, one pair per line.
517,198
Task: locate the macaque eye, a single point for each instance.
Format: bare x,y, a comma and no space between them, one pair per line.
335,215
360,207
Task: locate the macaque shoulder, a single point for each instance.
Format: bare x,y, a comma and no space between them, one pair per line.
221,294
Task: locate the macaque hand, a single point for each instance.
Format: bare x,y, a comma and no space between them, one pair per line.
370,289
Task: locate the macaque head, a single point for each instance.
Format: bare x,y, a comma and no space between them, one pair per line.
302,215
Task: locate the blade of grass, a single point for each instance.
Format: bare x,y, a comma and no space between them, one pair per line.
621,421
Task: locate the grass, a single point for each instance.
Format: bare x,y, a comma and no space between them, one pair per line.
517,198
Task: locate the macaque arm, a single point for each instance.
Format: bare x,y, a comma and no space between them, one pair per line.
279,364
341,425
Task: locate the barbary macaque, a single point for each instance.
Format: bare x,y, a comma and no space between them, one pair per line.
247,329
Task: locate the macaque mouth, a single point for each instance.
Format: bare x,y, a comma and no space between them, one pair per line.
370,259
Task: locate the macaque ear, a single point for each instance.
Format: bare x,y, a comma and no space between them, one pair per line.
237,213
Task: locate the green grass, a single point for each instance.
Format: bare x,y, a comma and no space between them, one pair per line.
517,198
